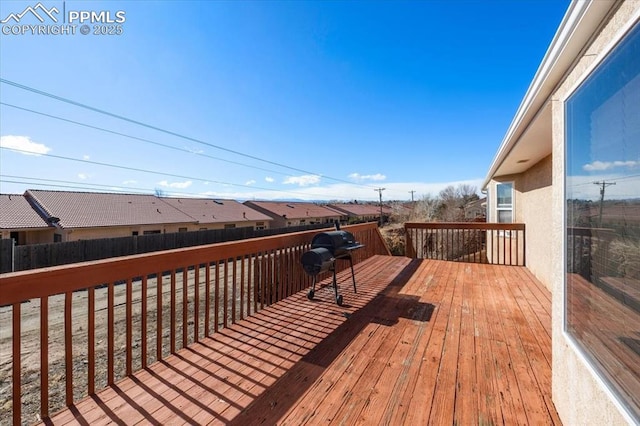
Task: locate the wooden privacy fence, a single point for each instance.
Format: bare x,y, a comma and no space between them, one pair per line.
496,243
33,256
99,321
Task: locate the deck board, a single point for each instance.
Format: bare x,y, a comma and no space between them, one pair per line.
421,342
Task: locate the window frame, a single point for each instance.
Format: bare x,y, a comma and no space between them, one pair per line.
509,207
582,349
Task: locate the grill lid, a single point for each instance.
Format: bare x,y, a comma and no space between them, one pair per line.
333,240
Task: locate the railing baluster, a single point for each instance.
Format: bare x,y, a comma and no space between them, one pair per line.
110,333
216,300
251,283
172,331
185,305
17,364
225,293
143,322
158,316
524,247
129,327
242,291
91,340
234,274
44,356
68,349
207,296
196,304
263,286
504,247
510,246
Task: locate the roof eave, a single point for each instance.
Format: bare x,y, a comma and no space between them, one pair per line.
579,23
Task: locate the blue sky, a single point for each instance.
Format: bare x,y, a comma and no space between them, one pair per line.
325,100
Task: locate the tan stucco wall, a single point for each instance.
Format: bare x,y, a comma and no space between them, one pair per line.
119,231
127,231
533,198
579,395
31,236
531,206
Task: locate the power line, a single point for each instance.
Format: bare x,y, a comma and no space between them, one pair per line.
138,138
158,173
152,127
77,185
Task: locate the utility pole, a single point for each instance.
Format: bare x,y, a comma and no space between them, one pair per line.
603,185
380,193
412,196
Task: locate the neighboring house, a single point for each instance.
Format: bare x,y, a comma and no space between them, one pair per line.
18,220
356,212
286,214
92,215
219,214
572,148
476,210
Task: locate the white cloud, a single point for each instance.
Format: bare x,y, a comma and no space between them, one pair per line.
358,177
598,166
304,180
86,157
178,185
250,182
269,179
83,176
23,145
194,150
344,191
130,182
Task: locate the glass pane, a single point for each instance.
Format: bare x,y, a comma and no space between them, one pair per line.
504,216
504,192
603,220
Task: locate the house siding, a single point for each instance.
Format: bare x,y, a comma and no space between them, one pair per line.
119,231
29,236
533,190
532,193
579,395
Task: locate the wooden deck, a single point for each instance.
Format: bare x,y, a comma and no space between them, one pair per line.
422,342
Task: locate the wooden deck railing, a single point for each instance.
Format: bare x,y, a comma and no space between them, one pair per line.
497,243
95,322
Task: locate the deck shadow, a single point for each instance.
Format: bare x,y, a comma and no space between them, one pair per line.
385,308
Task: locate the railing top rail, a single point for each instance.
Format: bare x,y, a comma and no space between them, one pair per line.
16,287
466,225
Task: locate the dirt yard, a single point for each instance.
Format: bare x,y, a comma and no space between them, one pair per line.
30,339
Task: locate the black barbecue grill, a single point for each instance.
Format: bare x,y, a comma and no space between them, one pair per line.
326,248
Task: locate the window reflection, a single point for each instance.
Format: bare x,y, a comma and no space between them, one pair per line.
603,219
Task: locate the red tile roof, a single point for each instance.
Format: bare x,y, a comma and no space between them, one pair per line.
17,213
91,209
296,210
215,211
359,209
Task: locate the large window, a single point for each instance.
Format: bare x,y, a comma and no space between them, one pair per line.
504,209
603,219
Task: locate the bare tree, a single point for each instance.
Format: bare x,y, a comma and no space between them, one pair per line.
451,208
425,209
